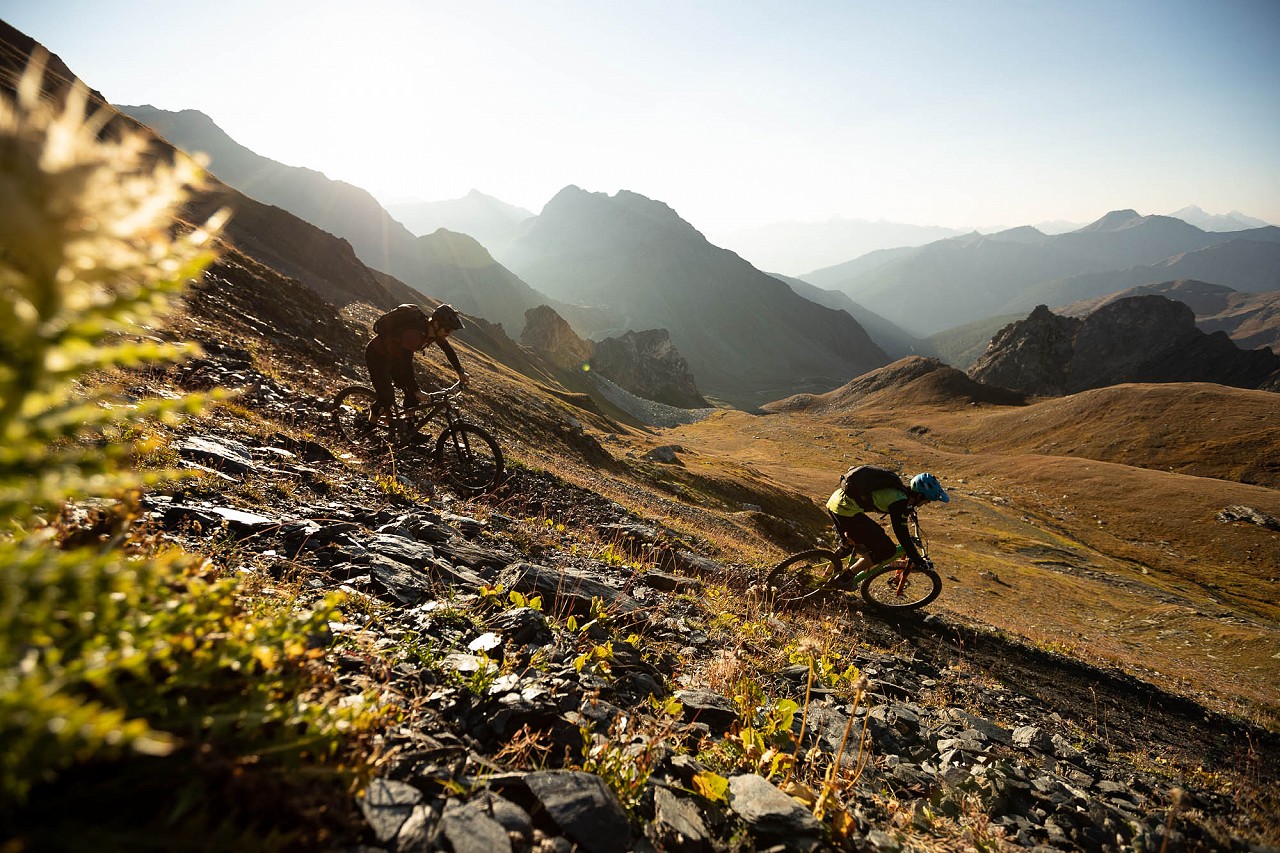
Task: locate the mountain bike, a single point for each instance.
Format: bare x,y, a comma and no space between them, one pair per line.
894,584
467,453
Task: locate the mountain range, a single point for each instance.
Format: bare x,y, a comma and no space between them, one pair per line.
901,296
962,279
748,337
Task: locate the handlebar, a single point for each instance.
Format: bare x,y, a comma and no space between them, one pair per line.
435,397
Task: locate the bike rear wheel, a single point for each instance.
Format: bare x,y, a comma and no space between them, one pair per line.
353,416
897,587
801,576
470,458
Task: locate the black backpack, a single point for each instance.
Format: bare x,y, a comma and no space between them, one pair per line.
400,319
861,480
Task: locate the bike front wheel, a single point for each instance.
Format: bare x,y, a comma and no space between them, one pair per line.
470,458
898,587
355,416
801,577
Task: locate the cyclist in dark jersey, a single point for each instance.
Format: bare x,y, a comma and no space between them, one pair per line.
404,331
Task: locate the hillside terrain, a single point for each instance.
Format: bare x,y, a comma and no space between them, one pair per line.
584,659
453,267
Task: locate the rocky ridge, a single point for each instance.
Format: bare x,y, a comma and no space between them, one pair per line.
1137,339
513,742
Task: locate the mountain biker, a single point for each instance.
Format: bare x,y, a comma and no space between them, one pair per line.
865,489
398,335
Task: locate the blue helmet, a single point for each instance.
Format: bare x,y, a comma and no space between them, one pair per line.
927,485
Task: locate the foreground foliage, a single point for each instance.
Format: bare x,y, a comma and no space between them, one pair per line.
135,681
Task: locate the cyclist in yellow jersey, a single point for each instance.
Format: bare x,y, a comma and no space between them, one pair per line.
866,489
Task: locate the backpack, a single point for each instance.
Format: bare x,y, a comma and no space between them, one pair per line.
861,480
400,319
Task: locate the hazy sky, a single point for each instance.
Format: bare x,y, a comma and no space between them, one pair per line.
959,113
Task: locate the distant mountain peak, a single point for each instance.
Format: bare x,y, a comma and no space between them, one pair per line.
1221,222
1116,220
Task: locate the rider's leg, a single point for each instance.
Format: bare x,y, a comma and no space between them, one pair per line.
873,545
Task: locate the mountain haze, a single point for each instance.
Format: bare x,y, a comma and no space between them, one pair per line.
447,266
748,337
492,222
1233,221
889,337
794,247
1250,264
955,281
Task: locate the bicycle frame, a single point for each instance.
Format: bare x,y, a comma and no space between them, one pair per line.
859,577
411,419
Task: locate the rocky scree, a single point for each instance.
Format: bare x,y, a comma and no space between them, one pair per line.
499,707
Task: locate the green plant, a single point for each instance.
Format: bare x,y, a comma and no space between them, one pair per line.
114,650
393,487
624,757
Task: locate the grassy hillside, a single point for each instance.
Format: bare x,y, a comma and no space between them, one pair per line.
1089,523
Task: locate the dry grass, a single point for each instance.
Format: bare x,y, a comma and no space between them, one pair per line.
1121,564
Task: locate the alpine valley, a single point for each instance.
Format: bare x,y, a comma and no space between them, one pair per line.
585,657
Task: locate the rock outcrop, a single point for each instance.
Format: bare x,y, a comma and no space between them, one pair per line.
1137,339
646,364
547,333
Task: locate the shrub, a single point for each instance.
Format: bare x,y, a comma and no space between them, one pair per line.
124,666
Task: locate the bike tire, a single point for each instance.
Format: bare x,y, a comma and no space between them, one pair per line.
470,458
353,416
801,577
883,588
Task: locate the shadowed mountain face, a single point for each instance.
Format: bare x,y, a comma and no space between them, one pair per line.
963,279
448,266
748,337
1135,339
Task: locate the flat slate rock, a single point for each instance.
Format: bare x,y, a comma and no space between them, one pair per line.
584,808
387,804
469,830
772,814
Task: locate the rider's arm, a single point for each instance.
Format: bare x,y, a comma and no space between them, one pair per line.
452,354
898,517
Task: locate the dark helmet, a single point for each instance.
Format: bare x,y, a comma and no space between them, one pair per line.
447,317
928,486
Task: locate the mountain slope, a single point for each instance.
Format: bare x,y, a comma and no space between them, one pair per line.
450,267
889,337
747,336
1136,339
